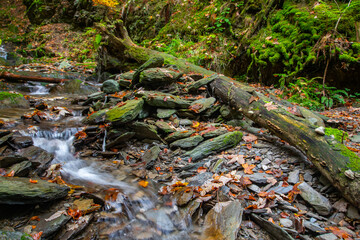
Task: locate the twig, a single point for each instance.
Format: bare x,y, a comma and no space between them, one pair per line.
338,21
324,77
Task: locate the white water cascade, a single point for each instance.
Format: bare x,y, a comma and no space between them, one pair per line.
3,52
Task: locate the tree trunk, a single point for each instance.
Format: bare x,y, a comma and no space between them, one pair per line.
19,78
330,157
357,30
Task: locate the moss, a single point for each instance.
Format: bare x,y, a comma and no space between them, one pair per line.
11,96
339,135
347,58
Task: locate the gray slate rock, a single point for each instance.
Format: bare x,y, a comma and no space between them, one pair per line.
164,127
160,219
110,86
7,161
151,156
179,135
327,236
163,100
21,169
217,144
294,176
187,142
202,82
165,113
321,204
202,104
39,158
120,140
125,113
151,63
7,235
21,191
145,131
199,179
157,77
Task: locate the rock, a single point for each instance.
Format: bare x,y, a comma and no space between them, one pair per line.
51,223
327,236
39,158
150,157
179,135
314,227
202,104
187,142
10,160
274,230
254,188
75,86
160,219
214,133
96,117
22,141
279,189
196,85
294,176
286,222
165,113
321,204
223,223
125,113
71,230
182,220
258,178
228,113
120,140
21,169
320,131
5,138
311,117
125,76
217,144
21,191
183,196
157,77
12,100
7,235
355,138
94,97
199,179
353,213
151,63
110,86
185,122
163,100
164,127
145,131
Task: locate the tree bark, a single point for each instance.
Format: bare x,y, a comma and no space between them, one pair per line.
323,152
20,78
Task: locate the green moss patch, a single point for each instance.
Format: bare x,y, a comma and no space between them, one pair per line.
339,135
11,96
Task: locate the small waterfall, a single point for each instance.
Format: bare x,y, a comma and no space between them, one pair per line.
3,52
37,89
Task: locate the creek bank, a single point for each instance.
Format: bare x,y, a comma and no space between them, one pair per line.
247,174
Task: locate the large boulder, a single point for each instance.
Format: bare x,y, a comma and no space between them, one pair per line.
22,191
157,77
110,86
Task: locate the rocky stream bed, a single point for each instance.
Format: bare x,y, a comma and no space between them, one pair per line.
163,160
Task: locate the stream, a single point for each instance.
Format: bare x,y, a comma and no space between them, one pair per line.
130,213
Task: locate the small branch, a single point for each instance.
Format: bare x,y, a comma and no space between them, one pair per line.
338,21
324,77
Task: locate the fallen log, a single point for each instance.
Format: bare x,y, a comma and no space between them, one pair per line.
338,164
21,78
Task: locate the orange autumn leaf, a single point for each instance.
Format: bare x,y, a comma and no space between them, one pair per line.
338,232
33,181
250,197
10,174
253,206
144,184
248,168
201,169
80,135
37,236
262,194
257,158
271,220
34,218
74,213
249,146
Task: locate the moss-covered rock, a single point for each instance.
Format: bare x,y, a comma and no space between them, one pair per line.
110,86
217,144
179,135
163,100
187,142
157,77
125,113
12,100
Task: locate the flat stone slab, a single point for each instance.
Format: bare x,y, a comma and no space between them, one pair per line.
163,100
22,191
321,204
125,113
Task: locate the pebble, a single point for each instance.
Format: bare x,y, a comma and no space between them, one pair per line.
320,131
327,236
294,176
286,222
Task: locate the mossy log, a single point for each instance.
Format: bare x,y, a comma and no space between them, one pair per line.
21,78
331,158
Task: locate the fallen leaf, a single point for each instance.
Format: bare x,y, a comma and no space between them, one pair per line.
338,232
237,158
33,181
249,138
248,168
253,98
34,218
269,106
55,215
144,184
37,236
201,169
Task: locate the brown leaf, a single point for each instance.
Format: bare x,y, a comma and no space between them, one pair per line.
269,106
248,168
253,98
250,138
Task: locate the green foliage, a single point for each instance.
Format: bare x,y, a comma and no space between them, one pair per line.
97,41
10,95
339,135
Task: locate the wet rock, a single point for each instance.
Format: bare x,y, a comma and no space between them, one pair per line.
85,205
183,218
187,142
319,202
22,141
110,86
21,191
38,157
327,236
51,223
179,135
120,140
165,113
353,213
94,97
202,104
5,138
214,133
164,127
183,196
294,176
223,222
314,227
161,219
7,235
163,100
71,230
217,144
196,85
157,77
10,160
151,156
199,179
75,86
96,117
125,113
145,131
21,169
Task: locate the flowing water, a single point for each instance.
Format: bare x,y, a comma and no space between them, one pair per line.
3,52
